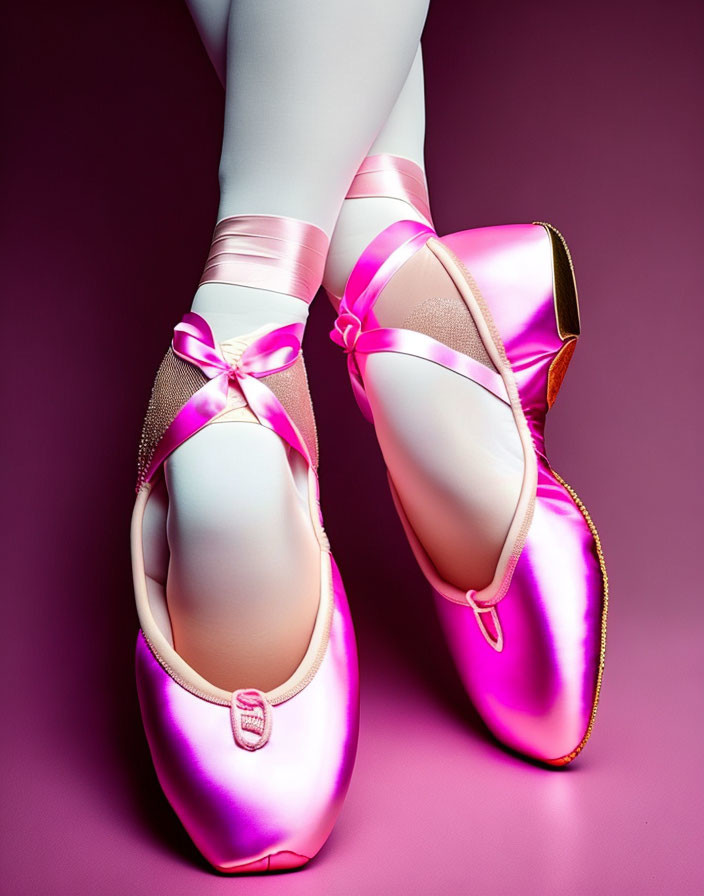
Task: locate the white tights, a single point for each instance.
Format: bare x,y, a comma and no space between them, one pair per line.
311,89
309,85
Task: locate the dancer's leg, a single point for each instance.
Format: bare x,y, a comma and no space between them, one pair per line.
461,517
309,85
360,220
403,134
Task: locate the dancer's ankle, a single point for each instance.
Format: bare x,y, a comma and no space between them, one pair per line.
360,220
261,270
236,310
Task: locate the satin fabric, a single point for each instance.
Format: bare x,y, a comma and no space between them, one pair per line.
357,344
539,695
267,252
393,177
356,328
534,675
258,781
239,806
271,353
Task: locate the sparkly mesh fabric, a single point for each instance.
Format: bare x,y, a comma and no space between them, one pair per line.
176,381
290,386
448,320
421,296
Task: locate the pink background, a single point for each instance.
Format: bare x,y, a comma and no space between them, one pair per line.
585,115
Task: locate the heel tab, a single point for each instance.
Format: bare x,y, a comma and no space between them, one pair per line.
558,369
564,285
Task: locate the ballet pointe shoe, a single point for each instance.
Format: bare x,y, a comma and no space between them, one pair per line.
257,778
529,645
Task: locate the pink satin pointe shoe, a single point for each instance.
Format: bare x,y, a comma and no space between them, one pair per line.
257,779
529,646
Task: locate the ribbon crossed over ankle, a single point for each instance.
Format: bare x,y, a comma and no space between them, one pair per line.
271,353
354,333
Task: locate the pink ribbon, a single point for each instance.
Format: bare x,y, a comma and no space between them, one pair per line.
268,252
377,265
271,353
392,176
379,262
350,336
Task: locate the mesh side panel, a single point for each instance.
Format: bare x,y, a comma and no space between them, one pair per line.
176,381
448,320
422,296
290,386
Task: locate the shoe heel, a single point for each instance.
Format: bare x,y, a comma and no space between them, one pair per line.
524,273
566,309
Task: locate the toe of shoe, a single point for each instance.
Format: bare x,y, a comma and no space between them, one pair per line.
538,694
252,811
285,860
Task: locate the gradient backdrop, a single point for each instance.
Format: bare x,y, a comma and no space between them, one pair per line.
586,115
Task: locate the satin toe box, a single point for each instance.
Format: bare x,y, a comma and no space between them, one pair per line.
256,810
538,694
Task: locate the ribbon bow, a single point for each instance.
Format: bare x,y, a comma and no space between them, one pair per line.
347,330
346,333
271,353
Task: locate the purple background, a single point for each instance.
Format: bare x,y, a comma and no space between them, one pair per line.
586,115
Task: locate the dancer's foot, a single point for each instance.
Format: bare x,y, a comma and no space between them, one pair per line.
256,769
452,449
527,632
230,533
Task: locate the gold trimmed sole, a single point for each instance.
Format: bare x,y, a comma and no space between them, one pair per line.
568,326
567,319
564,760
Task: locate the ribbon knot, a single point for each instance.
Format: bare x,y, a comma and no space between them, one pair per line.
346,333
270,353
234,372
347,330
235,363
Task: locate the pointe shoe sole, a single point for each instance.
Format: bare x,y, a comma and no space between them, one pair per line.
278,861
